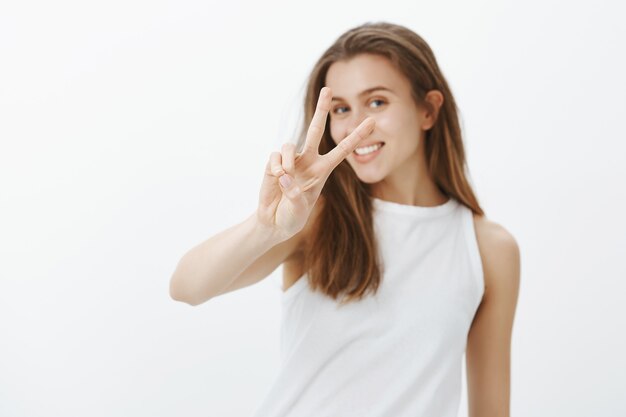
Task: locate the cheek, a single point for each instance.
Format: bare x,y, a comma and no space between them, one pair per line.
334,131
399,127
387,127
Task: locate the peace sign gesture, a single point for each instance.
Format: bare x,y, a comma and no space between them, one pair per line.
293,182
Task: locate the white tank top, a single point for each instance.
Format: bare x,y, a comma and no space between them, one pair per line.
399,352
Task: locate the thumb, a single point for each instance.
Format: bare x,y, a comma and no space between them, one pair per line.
290,188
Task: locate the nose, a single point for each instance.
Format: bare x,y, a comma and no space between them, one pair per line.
355,122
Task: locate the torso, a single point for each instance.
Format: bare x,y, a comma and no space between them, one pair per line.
293,267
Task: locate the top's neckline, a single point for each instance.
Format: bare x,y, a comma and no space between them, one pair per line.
419,211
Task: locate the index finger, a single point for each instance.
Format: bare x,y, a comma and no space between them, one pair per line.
318,123
350,142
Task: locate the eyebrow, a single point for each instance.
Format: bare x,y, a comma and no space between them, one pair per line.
364,92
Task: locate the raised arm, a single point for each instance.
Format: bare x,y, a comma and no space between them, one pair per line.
209,268
251,250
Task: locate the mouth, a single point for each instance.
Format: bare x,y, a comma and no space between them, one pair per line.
369,149
365,154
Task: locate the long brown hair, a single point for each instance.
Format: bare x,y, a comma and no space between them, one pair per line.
341,254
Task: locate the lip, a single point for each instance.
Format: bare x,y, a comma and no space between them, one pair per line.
366,158
362,145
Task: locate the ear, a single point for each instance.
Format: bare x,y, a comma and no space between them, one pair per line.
434,100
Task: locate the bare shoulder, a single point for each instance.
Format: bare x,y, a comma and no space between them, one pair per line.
293,267
499,252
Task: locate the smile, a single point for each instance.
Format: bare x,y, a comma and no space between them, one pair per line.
367,153
368,149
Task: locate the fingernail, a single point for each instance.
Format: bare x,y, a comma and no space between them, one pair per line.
285,180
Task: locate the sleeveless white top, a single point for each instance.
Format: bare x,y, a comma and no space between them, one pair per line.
397,353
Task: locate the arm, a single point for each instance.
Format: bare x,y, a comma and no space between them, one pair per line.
252,255
212,266
488,352
292,185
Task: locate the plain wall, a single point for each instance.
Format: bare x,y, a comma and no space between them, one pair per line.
132,130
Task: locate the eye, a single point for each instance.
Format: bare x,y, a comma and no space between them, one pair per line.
336,109
377,99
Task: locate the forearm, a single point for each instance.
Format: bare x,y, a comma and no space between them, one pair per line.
212,265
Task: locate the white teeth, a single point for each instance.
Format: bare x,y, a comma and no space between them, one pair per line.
367,149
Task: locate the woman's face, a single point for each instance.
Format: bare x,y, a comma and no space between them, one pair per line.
398,120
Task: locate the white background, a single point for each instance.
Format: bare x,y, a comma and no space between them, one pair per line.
133,130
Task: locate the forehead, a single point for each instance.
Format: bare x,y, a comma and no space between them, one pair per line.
350,77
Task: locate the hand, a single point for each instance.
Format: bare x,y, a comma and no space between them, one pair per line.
293,181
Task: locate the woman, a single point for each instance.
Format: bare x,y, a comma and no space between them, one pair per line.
391,270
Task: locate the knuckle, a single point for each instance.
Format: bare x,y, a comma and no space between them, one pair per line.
322,105
314,129
343,148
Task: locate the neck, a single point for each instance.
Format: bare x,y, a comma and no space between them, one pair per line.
410,184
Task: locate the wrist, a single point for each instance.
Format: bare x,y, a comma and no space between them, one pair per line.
262,231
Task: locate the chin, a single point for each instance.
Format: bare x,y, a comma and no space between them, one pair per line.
369,177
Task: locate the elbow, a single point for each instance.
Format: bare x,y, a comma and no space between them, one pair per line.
178,292
183,287
178,295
